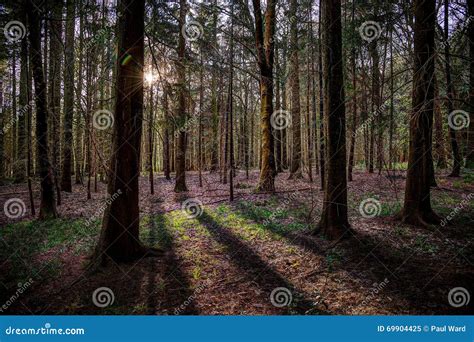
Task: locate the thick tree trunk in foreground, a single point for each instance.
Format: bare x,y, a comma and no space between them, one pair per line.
334,222
417,205
119,239
180,184
48,203
265,51
66,184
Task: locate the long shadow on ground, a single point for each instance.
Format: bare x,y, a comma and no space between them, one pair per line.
255,268
420,281
178,294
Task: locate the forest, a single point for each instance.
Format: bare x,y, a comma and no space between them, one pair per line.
236,157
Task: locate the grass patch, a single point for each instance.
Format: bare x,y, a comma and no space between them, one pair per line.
22,242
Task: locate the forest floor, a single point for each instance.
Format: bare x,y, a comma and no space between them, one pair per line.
230,257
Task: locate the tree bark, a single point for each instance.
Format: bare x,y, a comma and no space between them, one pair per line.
439,145
166,134
180,185
456,171
119,239
265,50
295,168
54,89
19,172
354,106
47,208
334,221
66,184
470,146
417,204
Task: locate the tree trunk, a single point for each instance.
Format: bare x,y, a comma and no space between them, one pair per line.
79,112
150,142
265,49
166,134
334,221
470,146
201,99
295,168
375,101
180,184
54,89
19,172
48,203
439,146
354,106
119,239
417,205
450,94
66,184
230,108
322,134
277,133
